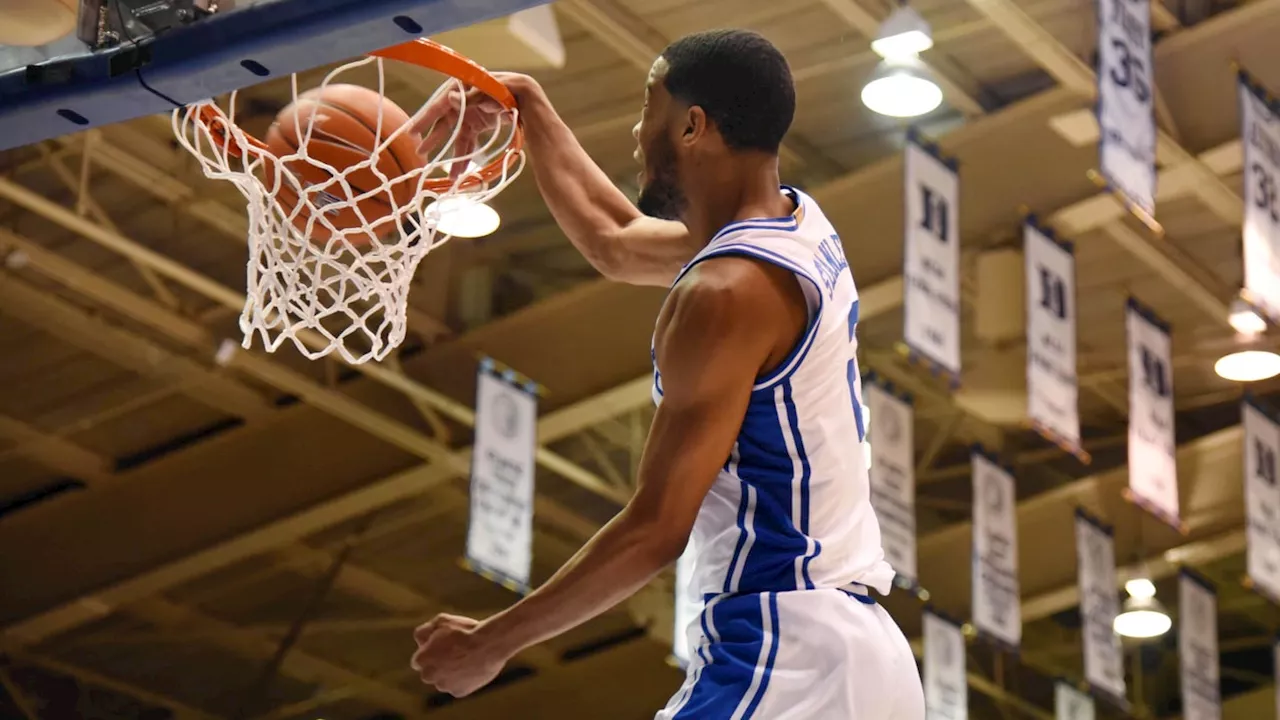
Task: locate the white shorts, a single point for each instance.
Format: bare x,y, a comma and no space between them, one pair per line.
800,655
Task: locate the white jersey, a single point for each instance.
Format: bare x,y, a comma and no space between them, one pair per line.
791,508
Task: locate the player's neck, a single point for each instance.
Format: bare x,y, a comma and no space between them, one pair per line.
728,192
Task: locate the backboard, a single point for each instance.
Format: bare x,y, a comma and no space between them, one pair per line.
65,86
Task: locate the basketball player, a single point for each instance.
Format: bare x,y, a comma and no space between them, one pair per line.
755,448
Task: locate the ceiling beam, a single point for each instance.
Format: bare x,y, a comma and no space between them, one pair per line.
1204,290
87,205
26,254
84,676
17,696
77,327
296,663
57,453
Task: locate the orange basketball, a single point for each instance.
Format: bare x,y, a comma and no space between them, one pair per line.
345,133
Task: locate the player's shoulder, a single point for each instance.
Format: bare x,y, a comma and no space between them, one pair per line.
728,288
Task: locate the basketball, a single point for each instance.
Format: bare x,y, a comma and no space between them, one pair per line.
344,133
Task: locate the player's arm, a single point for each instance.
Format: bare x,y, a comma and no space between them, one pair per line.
599,220
711,347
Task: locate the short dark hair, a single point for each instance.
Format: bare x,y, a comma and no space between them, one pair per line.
740,80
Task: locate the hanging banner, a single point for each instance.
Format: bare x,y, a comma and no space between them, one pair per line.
1052,387
1071,704
1099,605
1198,648
500,533
1126,107
997,609
1260,130
893,477
1153,468
687,608
1262,500
946,686
931,257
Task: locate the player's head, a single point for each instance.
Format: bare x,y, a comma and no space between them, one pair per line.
709,95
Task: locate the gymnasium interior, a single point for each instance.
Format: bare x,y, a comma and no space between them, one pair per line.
193,530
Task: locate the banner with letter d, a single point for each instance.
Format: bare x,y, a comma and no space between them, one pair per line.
931,257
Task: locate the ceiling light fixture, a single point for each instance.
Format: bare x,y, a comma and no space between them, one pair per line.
903,35
1248,366
901,91
463,217
901,86
1143,616
1245,319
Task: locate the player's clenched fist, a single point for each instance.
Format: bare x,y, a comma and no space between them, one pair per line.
454,656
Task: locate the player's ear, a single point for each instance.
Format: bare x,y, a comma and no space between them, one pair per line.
695,125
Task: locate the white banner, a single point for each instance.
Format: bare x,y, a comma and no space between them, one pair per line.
1099,605
931,266
500,533
997,609
1262,501
1153,468
1261,132
1126,107
1071,704
1052,387
946,686
687,608
1198,649
893,477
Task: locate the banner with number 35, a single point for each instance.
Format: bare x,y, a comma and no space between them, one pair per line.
1126,107
1260,129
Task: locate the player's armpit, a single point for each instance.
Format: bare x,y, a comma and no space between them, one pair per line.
646,251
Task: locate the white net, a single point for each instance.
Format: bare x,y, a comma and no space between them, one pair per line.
333,249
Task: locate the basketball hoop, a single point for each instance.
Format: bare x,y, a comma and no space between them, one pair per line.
333,247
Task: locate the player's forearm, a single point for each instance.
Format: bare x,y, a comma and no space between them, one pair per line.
622,558
583,200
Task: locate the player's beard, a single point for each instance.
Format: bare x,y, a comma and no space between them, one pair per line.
661,196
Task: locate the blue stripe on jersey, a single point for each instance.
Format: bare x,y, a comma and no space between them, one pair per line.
765,464
742,540
735,627
773,655
787,224
805,475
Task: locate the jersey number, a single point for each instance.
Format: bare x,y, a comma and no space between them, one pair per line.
851,372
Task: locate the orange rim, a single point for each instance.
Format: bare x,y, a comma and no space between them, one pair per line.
433,56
